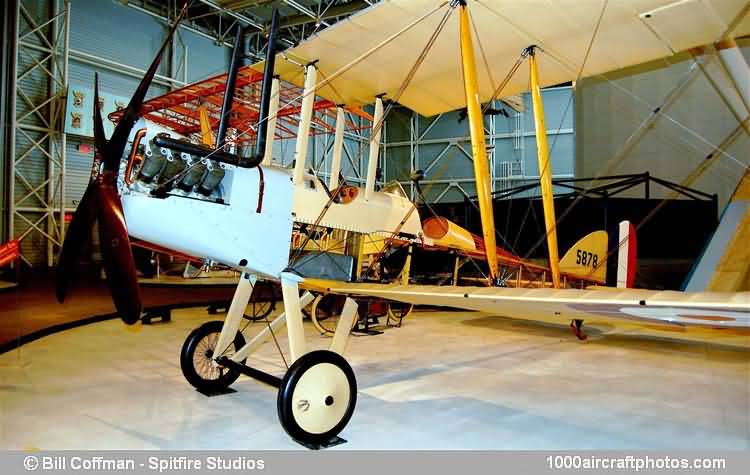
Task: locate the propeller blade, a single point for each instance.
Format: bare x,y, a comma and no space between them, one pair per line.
102,202
116,250
117,142
100,141
77,238
78,234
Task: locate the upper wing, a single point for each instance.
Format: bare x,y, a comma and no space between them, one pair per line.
631,32
711,309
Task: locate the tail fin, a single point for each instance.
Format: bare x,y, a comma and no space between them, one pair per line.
586,259
626,255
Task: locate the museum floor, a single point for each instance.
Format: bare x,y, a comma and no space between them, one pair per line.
444,380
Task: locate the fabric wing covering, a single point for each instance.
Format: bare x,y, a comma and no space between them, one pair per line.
631,32
706,309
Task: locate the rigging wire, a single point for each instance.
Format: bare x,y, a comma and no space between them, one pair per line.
578,77
504,82
692,177
413,70
270,329
621,154
376,127
484,58
429,207
570,99
276,341
320,85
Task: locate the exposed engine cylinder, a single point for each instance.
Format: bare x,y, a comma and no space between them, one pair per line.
152,165
196,170
162,170
212,179
172,168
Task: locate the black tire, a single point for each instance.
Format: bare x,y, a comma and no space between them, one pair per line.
196,367
316,364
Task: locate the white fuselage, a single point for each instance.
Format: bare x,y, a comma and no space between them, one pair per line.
250,227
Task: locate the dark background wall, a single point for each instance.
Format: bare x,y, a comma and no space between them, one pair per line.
668,242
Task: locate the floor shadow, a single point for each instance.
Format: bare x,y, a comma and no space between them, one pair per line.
600,333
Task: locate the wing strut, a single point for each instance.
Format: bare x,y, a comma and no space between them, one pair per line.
545,169
478,146
303,131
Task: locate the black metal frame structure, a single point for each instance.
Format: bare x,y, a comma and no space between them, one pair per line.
620,184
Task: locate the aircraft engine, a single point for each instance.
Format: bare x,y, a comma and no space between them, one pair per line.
158,170
212,179
173,167
196,170
152,165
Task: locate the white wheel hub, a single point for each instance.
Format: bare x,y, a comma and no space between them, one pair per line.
320,398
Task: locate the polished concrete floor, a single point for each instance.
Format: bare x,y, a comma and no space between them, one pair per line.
444,380
31,308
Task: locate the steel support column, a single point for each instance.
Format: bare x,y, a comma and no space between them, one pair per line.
37,171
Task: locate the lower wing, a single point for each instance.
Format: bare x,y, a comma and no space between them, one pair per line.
707,309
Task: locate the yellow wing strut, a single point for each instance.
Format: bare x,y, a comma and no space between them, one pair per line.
545,171
478,147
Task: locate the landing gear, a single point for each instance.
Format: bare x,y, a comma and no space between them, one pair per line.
317,395
397,311
317,398
197,359
577,327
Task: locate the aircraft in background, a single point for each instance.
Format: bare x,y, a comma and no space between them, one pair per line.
240,210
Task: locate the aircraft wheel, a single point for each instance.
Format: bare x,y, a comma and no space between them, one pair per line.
317,397
577,327
197,358
325,312
397,311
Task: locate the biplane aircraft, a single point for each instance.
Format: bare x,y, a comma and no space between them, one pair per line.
419,53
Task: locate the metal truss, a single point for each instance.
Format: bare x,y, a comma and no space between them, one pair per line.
452,145
37,140
178,110
506,172
217,19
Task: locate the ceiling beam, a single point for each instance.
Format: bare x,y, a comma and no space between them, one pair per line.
332,12
246,21
243,4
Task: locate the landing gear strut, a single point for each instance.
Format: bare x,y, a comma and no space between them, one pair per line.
576,326
318,393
